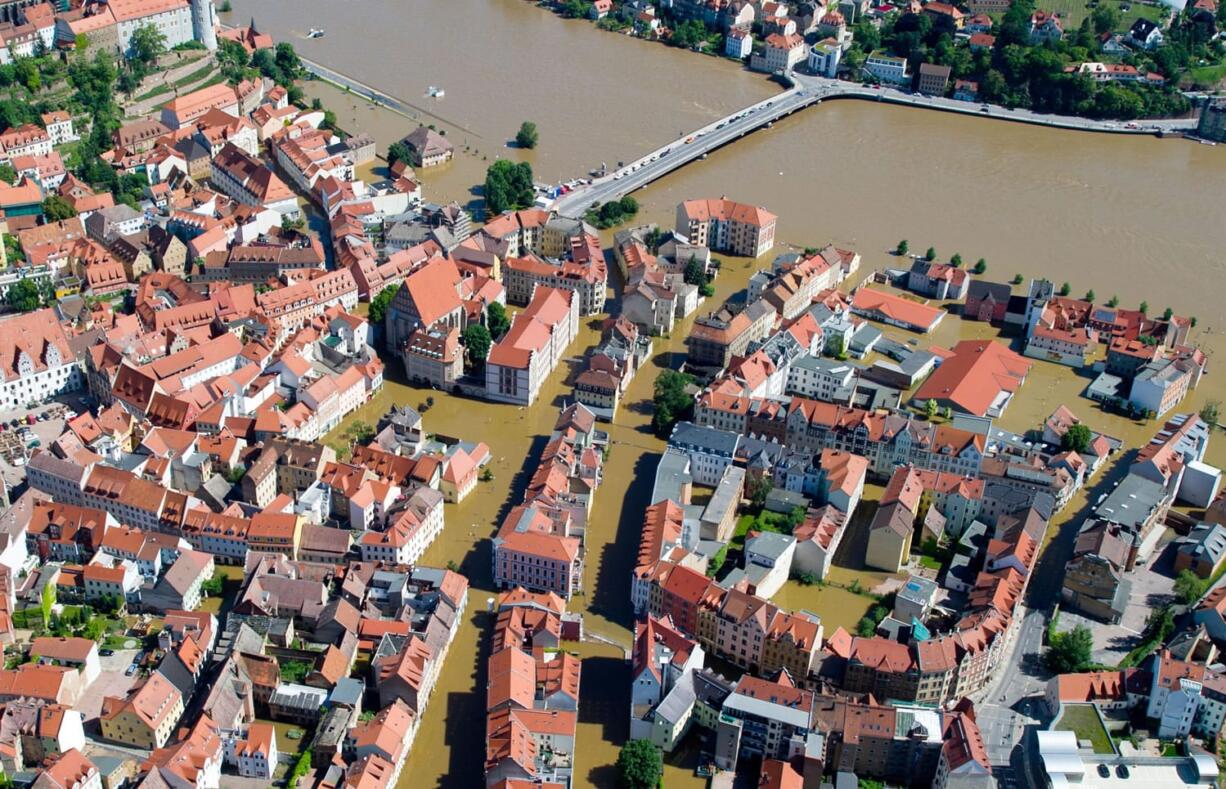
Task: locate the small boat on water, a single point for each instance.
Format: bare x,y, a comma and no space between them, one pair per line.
315,33
435,92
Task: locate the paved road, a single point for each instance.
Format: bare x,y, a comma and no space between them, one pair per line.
1014,700
806,91
680,152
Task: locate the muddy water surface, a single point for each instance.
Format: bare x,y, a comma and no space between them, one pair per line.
1136,217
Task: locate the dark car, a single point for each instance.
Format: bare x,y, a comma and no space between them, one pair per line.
131,670
106,652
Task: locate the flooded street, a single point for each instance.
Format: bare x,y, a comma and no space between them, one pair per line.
1135,217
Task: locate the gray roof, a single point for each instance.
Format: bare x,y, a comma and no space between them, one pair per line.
1132,502
348,691
920,590
679,700
672,473
762,708
700,438
1206,542
304,697
981,289
427,142
769,544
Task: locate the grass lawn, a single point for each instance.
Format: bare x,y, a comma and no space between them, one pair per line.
188,79
1209,76
1082,719
121,642
1073,11
929,563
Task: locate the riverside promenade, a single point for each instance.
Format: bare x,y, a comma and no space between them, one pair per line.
807,91
411,111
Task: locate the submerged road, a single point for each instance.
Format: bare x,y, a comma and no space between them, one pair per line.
805,91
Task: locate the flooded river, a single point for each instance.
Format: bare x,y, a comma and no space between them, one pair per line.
1136,217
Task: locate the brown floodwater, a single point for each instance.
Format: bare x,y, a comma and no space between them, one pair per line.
1137,217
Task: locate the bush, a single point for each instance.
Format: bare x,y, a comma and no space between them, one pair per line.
613,213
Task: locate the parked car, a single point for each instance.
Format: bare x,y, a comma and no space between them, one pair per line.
106,652
131,670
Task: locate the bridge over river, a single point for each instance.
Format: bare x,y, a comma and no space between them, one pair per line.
805,91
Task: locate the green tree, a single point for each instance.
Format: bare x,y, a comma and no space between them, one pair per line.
695,274
690,34
496,319
981,266
508,186
399,152
1090,295
1113,302
380,303
672,402
1210,412
1189,587
8,174
902,248
956,260
931,254
639,765
1167,313
930,409
147,43
1105,18
56,208
1018,279
1068,653
23,296
527,136
477,341
1076,439
575,9
1144,308
1066,289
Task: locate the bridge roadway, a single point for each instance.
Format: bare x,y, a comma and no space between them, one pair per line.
807,90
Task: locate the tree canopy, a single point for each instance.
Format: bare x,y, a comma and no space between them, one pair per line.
640,765
399,152
380,303
496,319
23,296
1189,587
672,402
478,341
147,44
527,136
1068,653
1076,439
508,186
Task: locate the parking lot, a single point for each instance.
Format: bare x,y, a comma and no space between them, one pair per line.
1152,587
13,441
111,682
